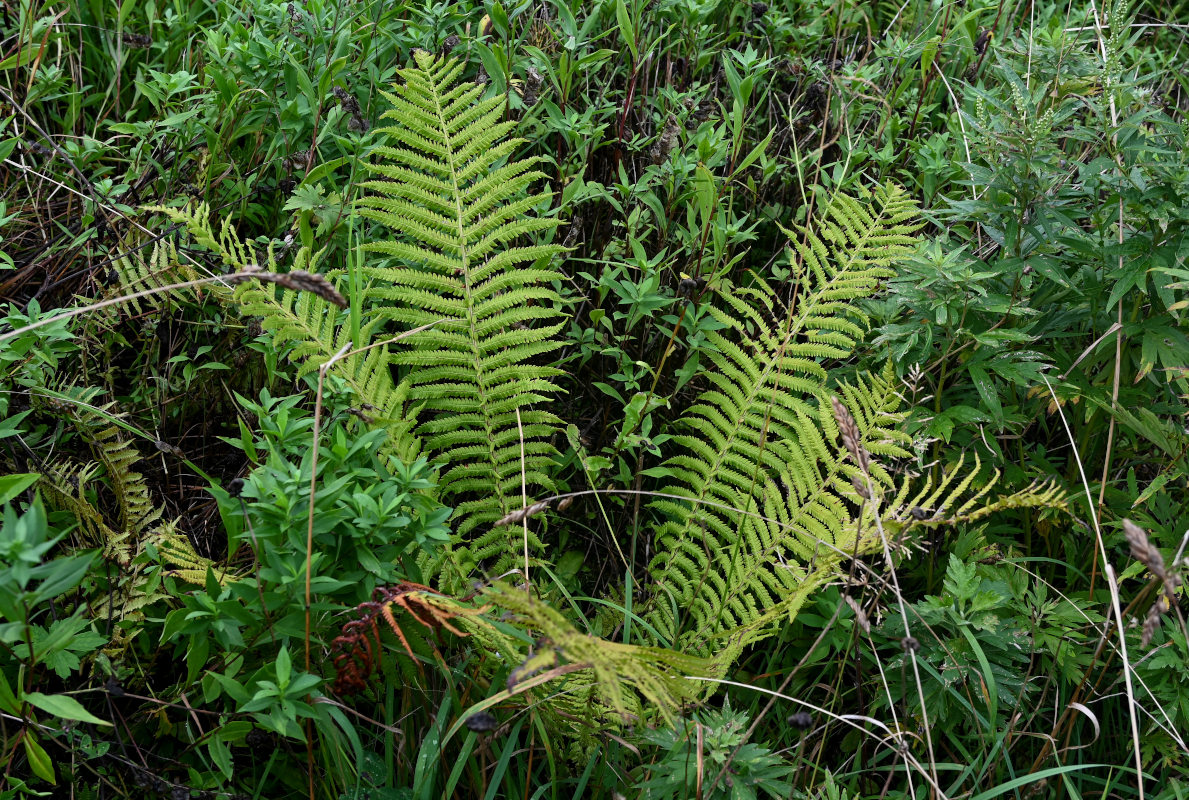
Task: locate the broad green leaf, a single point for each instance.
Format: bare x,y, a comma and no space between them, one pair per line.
63,706
13,485
39,760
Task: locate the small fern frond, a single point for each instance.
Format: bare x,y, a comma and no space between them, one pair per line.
135,272
183,561
456,212
949,500
589,678
308,324
119,457
660,676
129,540
64,486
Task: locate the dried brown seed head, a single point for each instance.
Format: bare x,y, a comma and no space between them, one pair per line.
860,615
851,440
521,514
1143,550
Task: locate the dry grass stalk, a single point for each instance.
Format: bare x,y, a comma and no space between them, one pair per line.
851,440
298,280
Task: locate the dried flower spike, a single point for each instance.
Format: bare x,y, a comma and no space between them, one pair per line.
667,141
849,431
1143,550
481,722
297,280
801,720
1152,622
860,615
521,514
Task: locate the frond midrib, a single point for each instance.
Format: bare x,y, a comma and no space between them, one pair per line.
464,257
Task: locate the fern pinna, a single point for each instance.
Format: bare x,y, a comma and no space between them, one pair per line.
769,518
447,187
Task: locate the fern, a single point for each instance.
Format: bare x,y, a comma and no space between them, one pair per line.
309,326
455,212
770,511
760,437
135,272
773,510
660,676
602,679
137,529
949,501
453,266
307,323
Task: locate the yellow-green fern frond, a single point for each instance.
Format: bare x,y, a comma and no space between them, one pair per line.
139,270
183,562
766,483
310,326
950,501
112,448
307,323
64,486
129,536
588,677
460,207
658,675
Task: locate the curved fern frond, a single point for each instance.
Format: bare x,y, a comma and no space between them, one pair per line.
306,322
589,677
137,531
457,206
765,483
111,446
948,501
309,325
955,503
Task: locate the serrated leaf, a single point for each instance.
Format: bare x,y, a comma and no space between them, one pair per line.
961,579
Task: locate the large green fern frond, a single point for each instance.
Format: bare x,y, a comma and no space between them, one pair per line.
765,482
458,205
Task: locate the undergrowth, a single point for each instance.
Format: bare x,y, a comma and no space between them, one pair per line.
613,399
